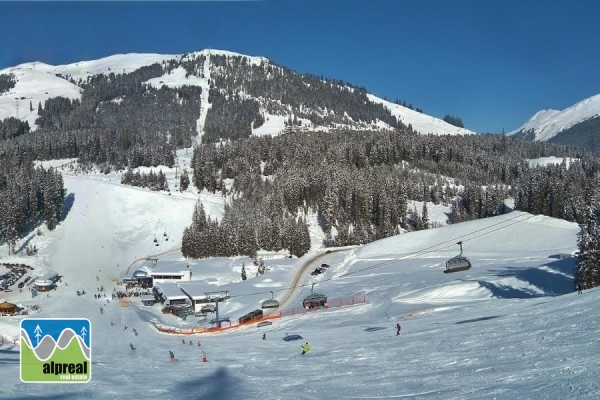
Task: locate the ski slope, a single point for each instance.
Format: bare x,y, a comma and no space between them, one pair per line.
509,328
422,123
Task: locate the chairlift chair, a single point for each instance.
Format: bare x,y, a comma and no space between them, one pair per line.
272,303
314,300
458,263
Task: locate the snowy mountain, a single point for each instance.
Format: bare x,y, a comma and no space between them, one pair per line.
547,125
511,327
420,122
35,83
278,98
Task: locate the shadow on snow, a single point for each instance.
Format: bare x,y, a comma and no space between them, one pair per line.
468,321
552,279
219,385
67,205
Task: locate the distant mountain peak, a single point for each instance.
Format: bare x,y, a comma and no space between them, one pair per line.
546,124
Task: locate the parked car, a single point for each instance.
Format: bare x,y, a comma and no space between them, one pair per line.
318,270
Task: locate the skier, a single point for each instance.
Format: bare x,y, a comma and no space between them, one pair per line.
172,355
131,345
198,342
135,332
183,341
191,343
579,288
264,336
204,359
398,329
305,348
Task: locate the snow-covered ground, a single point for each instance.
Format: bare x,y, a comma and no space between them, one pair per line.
175,79
543,161
511,327
35,84
420,122
273,126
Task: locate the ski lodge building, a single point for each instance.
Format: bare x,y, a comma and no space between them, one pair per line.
201,293
165,276
46,282
170,294
153,271
195,294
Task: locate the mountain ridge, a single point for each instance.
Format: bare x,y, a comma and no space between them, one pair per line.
187,69
547,125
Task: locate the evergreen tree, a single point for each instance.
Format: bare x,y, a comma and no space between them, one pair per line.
199,217
184,181
244,277
588,263
424,216
302,245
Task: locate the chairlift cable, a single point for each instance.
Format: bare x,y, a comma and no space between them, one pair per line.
435,247
426,250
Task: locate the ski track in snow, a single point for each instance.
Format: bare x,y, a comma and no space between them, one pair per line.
204,104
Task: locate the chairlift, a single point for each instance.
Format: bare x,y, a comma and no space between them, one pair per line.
314,300
272,303
458,263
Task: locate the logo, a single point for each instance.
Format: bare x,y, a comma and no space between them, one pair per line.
56,350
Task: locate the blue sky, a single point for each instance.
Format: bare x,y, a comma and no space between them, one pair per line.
493,64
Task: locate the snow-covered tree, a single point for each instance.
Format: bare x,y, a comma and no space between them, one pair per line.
588,261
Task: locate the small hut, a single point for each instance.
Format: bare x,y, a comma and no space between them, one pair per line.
7,308
43,286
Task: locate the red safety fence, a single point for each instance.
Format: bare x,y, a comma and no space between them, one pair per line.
225,325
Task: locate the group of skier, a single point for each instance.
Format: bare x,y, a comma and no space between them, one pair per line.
172,355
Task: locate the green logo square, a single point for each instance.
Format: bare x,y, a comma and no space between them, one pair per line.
56,350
